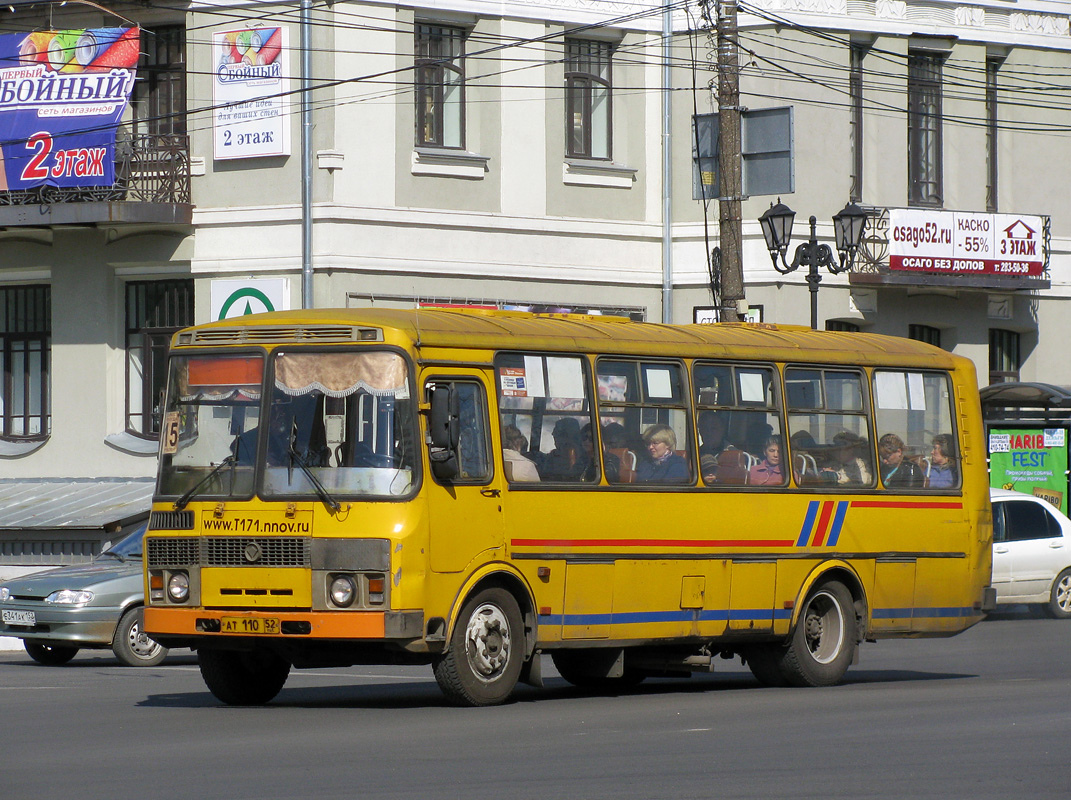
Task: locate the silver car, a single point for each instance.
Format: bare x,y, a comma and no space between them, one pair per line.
1031,552
61,611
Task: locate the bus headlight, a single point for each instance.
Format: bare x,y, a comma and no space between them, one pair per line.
178,587
343,591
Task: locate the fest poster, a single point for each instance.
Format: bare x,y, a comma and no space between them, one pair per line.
62,94
1030,460
250,83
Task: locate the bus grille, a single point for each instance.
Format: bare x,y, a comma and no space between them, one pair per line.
256,551
164,551
171,521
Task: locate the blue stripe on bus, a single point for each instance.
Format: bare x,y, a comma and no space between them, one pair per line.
808,523
838,521
739,615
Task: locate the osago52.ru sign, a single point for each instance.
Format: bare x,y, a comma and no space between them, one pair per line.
965,243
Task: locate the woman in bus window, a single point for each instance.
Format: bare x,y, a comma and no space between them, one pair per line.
943,471
514,445
769,471
664,466
896,471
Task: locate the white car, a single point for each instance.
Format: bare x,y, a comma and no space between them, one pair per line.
1031,552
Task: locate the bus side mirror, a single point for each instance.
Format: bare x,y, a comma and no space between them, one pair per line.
444,429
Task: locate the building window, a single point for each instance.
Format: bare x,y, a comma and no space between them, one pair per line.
588,99
855,94
154,311
844,327
1003,356
992,66
767,164
440,86
25,347
925,333
159,100
924,166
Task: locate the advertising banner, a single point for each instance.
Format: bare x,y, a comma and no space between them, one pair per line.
251,76
1028,460
62,94
965,243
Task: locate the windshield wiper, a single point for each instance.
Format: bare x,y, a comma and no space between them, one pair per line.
325,497
182,501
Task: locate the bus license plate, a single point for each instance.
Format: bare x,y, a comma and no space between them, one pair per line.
19,618
261,625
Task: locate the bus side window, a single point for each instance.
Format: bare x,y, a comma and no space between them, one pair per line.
473,448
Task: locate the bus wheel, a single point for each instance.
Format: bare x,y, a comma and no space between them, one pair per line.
575,667
1059,605
823,644
243,678
51,655
764,661
483,661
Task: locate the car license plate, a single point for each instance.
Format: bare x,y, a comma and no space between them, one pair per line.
19,618
262,625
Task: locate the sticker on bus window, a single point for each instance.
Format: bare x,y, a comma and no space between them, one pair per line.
533,373
513,382
916,391
752,387
659,383
613,388
565,377
891,391
171,433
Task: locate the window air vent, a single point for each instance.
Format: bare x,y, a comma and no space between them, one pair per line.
282,334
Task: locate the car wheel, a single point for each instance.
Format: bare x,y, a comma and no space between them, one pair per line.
1059,605
133,647
483,660
824,641
51,655
243,678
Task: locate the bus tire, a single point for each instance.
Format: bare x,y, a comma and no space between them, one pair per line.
1059,605
51,655
573,666
766,663
132,647
243,678
823,644
482,662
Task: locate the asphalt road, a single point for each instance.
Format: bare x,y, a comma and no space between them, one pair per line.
984,715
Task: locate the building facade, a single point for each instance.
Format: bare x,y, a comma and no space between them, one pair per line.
511,155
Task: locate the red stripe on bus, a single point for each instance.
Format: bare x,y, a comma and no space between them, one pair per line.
901,504
822,527
651,543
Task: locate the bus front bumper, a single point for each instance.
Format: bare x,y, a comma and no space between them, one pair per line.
169,624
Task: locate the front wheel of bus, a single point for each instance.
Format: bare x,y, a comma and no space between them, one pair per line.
823,644
243,678
483,660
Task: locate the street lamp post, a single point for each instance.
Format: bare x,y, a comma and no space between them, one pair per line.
848,226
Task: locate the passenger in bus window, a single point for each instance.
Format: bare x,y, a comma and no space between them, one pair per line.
852,467
567,461
620,461
769,471
896,471
518,468
664,466
711,426
944,473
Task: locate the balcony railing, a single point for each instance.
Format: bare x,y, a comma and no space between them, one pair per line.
149,168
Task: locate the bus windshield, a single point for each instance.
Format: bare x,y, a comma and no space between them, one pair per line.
340,423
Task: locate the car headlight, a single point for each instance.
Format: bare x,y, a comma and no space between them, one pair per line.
5,593
178,587
343,591
70,597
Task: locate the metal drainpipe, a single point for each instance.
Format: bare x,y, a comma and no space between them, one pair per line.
667,170
306,155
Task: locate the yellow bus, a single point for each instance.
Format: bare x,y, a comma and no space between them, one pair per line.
475,489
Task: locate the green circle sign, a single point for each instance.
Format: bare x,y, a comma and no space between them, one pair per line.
252,297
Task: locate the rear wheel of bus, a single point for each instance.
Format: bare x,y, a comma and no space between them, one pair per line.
824,641
243,678
483,659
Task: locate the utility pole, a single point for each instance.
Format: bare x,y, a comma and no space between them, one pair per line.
730,233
